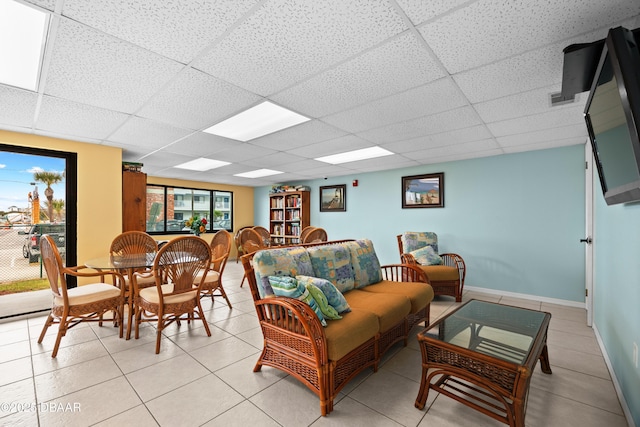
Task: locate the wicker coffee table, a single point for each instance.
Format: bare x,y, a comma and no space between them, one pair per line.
483,355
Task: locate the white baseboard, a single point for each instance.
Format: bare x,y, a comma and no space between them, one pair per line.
614,379
526,296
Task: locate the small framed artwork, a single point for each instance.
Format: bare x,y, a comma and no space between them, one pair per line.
423,191
333,198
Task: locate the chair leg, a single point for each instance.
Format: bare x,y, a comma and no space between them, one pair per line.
159,335
62,331
204,321
224,294
47,323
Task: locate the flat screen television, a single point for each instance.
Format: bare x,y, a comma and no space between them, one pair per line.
612,114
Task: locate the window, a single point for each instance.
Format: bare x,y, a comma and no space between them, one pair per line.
168,208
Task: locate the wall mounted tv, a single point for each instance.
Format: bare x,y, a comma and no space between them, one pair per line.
612,114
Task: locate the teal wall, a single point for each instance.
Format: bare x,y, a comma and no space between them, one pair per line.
617,291
516,219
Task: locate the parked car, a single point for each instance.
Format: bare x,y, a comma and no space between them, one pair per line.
31,248
222,224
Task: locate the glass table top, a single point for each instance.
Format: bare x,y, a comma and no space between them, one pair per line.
497,330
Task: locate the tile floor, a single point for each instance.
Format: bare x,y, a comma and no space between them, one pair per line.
100,379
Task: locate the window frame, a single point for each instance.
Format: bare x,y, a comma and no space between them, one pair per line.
198,193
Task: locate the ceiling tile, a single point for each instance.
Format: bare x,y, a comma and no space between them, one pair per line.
421,11
286,41
449,150
197,100
148,133
92,68
492,30
543,136
333,146
462,156
545,145
398,65
45,4
303,134
550,119
18,107
446,121
79,120
242,152
441,95
277,161
200,144
380,163
177,30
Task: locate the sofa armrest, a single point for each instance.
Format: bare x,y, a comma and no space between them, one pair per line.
292,325
455,260
404,273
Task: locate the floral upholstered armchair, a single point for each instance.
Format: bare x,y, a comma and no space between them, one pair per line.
446,272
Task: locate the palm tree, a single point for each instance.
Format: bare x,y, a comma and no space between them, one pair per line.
58,206
48,178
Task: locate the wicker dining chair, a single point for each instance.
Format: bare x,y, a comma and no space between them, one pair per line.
251,242
86,303
220,250
316,235
236,239
179,261
264,234
134,242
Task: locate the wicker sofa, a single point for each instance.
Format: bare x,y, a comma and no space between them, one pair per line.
385,303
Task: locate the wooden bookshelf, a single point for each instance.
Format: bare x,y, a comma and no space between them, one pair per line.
288,215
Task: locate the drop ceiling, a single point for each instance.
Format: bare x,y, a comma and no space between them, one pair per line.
431,81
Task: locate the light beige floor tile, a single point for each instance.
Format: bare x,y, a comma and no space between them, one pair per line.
523,303
241,377
580,343
579,387
574,314
243,415
569,326
165,376
140,414
140,357
223,353
147,338
195,403
238,324
12,336
407,363
15,370
43,362
14,351
10,325
302,408
197,337
76,335
71,379
349,412
390,394
93,404
253,337
548,409
446,412
578,361
20,419
17,397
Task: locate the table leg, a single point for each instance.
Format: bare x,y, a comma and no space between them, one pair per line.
544,360
421,400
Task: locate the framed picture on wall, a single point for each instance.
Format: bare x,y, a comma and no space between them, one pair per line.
423,191
333,198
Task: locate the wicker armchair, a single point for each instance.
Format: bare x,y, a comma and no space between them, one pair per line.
134,242
446,278
220,249
236,239
180,261
316,235
87,303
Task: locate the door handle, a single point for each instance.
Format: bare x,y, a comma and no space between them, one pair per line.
588,240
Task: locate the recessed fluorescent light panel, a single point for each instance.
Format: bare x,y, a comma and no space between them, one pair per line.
202,164
352,156
257,121
259,173
22,39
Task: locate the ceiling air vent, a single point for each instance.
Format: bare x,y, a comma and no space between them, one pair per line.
558,99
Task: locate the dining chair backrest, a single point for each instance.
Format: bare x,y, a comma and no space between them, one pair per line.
220,249
54,267
133,242
305,231
180,261
250,241
264,234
